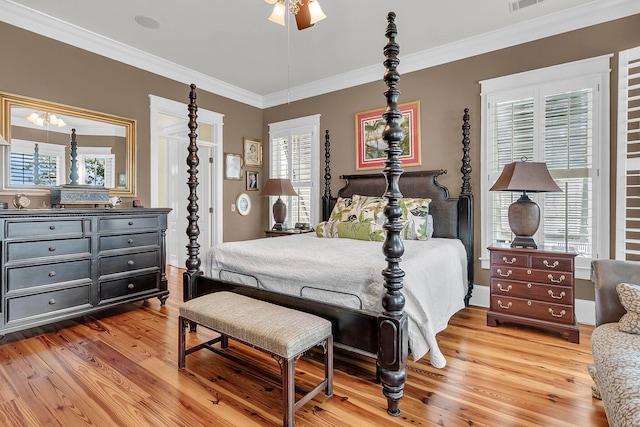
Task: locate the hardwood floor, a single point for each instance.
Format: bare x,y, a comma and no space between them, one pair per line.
119,369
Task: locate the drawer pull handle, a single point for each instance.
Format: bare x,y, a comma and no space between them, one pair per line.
52,227
130,241
554,265
529,285
52,301
560,279
507,274
130,222
506,307
561,314
506,261
130,262
130,286
503,289
562,294
52,274
52,248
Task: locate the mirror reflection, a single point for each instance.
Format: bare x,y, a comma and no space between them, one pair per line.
37,155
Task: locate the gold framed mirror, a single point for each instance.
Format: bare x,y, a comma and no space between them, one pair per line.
37,154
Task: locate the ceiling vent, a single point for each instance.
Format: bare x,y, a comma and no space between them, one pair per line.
520,4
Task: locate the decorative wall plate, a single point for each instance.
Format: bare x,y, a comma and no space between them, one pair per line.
243,204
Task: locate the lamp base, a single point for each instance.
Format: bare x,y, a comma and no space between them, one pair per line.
524,242
278,226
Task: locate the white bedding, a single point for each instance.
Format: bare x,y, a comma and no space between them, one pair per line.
348,272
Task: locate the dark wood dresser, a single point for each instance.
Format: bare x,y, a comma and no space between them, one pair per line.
533,287
63,263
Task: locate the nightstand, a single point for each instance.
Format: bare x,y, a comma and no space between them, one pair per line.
534,287
277,233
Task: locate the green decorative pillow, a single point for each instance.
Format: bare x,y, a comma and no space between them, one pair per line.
361,230
415,213
367,207
327,229
342,209
630,300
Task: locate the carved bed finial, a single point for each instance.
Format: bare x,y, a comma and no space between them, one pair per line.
393,337
193,231
73,176
466,160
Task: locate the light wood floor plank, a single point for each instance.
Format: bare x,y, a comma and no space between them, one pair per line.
119,368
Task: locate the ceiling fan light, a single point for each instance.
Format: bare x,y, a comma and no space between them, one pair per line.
33,118
270,1
316,11
277,15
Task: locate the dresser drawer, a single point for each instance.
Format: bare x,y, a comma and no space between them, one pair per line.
530,275
534,291
128,262
48,274
126,286
552,263
128,224
509,259
47,228
556,313
47,303
47,248
133,240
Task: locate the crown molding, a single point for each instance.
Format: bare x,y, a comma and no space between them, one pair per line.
596,12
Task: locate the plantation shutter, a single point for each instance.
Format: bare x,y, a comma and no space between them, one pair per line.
628,162
294,155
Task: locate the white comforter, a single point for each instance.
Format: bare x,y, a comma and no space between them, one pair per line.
348,272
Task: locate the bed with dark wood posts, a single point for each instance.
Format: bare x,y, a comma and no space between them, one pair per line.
381,333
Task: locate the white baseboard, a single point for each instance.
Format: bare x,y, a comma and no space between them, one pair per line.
585,309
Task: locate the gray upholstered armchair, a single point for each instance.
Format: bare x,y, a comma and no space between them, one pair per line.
616,353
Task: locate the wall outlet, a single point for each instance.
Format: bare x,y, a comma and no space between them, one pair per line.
233,207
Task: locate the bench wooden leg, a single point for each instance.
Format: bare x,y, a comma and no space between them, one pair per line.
289,391
328,366
182,326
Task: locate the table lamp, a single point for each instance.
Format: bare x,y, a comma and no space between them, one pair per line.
278,187
524,213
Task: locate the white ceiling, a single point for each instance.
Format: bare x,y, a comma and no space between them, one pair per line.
230,47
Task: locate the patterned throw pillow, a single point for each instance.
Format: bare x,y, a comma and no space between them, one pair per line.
341,210
630,300
361,230
415,214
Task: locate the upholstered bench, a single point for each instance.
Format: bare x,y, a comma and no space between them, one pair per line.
279,331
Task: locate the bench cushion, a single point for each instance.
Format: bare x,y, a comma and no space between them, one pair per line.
278,330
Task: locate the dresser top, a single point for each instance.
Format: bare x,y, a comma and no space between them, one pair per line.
26,213
547,249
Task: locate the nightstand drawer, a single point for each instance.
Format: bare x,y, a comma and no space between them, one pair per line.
509,259
46,303
556,313
552,263
48,248
48,274
128,262
528,290
108,243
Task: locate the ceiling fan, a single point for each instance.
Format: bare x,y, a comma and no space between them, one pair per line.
306,12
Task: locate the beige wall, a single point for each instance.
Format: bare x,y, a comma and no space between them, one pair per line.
444,91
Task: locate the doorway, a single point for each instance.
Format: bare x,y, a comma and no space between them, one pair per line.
170,139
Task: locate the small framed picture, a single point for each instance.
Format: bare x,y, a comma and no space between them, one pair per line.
252,152
232,166
253,182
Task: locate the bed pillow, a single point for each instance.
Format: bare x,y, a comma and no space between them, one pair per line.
327,229
630,299
415,216
361,230
342,209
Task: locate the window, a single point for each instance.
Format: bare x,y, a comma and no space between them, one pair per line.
628,162
96,166
36,163
557,115
294,154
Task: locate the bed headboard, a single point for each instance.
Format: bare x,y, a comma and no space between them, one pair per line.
420,184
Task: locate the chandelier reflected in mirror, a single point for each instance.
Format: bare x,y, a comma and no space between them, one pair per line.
306,12
46,119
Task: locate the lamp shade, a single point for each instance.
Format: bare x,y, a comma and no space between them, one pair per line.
533,177
278,187
524,213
